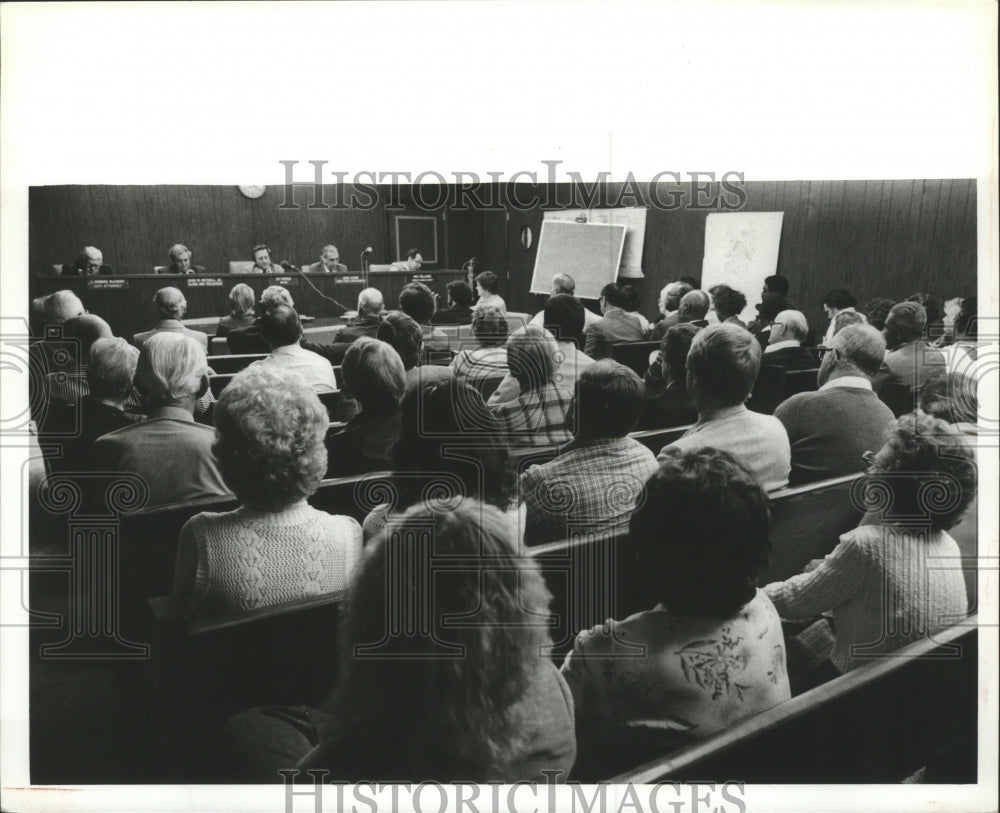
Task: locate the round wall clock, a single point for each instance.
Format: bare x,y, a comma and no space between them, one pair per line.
252,192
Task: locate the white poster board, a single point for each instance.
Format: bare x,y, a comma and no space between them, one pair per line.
589,252
741,250
634,218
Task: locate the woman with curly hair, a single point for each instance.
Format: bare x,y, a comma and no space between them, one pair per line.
728,304
275,547
889,584
489,360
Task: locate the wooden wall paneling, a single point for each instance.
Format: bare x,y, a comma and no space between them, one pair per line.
964,275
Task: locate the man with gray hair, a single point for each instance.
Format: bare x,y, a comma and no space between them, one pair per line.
329,262
171,307
784,347
88,264
722,367
171,452
180,261
670,303
249,339
565,284
371,311
908,359
830,429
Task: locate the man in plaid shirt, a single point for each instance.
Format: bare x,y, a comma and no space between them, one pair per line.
594,485
538,416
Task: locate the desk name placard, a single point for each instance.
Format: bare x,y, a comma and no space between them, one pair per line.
107,284
288,282
354,278
422,278
203,282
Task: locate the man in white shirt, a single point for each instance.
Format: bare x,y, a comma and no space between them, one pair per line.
282,331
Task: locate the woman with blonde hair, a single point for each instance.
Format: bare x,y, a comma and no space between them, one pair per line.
241,311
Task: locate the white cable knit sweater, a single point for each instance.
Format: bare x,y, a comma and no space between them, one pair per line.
246,559
886,587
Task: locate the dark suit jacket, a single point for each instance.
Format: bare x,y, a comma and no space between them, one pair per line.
76,269
195,269
912,364
457,315
616,326
247,340
365,444
319,268
345,337
791,358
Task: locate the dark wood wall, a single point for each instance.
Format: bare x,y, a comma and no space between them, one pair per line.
874,238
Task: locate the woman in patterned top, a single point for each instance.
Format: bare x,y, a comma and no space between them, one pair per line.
489,360
275,547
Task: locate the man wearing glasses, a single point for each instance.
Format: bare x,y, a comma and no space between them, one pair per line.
88,264
784,348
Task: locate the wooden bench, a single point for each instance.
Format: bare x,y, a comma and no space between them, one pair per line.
797,381
656,439
880,723
229,363
634,355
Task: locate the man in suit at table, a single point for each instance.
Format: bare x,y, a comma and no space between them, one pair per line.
171,306
88,264
615,326
784,348
180,261
329,262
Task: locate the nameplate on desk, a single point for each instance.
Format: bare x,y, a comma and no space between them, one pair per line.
203,282
342,278
422,278
288,282
104,284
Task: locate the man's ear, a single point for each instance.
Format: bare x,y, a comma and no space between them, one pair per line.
203,387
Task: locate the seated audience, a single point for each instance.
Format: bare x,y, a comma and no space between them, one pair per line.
776,284
180,261
728,304
564,284
667,400
275,547
954,399
784,344
440,419
836,301
615,326
329,262
831,428
443,702
768,309
262,263
848,318
876,310
962,353
722,367
487,287
669,305
886,585
88,264
404,335
282,330
538,416
249,339
563,317
68,385
694,308
908,359
632,305
488,360
61,306
171,307
241,310
459,310
110,373
373,375
949,312
371,312
171,452
932,309
594,484
710,651
416,300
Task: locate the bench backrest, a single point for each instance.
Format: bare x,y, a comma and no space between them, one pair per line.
233,363
634,355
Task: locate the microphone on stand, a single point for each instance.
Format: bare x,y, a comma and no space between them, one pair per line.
364,263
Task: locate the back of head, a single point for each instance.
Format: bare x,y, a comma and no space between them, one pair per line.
280,326
671,295
370,302
796,326
373,373
564,317
460,293
87,329
953,398
674,348
728,301
632,301
905,323
269,437
724,361
693,306
403,334
170,303
438,682
877,310
563,284
847,318
111,368
609,401
771,304
490,326
861,347
838,299
966,321
777,284
60,306
932,307
171,368
702,532
273,296
614,295
531,357
488,281
417,301
241,299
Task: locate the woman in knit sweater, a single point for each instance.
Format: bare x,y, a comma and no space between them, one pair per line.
895,582
275,547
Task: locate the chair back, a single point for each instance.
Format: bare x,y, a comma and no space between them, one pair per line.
217,383
218,346
240,266
769,389
656,439
228,363
634,355
159,269
340,406
797,381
